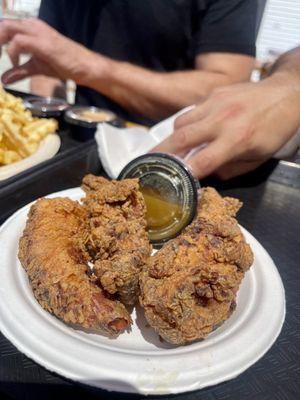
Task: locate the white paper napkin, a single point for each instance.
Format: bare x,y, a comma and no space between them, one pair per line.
118,146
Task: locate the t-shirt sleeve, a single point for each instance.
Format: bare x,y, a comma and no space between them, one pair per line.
227,26
50,11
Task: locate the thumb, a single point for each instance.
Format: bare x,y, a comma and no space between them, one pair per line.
19,72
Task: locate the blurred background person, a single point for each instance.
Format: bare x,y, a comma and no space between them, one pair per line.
144,60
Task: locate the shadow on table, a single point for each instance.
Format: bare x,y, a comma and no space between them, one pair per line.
68,390
50,391
251,179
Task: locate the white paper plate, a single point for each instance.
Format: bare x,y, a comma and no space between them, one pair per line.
47,149
138,361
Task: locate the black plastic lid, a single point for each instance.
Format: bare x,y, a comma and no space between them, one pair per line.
46,106
170,192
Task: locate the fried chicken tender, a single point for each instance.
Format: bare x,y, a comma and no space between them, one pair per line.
57,269
189,287
118,240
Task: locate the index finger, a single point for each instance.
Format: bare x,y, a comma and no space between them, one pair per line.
9,28
211,158
195,114
188,137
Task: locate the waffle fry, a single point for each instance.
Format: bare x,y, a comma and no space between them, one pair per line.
20,132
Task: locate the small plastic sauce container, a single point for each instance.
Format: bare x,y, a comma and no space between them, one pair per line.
47,107
83,121
170,192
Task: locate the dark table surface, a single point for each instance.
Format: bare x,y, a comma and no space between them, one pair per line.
271,213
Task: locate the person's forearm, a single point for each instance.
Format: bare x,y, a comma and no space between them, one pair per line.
284,76
288,68
153,94
45,86
290,62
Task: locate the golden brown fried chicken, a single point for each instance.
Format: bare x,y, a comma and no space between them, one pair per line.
189,287
57,269
118,240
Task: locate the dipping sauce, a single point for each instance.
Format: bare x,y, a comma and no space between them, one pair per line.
161,212
83,121
96,116
170,193
88,116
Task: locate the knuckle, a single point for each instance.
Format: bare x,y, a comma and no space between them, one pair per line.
179,122
229,111
180,137
33,22
245,135
41,25
17,42
219,93
28,24
203,161
33,25
18,39
217,90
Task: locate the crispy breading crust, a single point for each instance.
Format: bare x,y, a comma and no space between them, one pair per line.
57,269
189,287
118,240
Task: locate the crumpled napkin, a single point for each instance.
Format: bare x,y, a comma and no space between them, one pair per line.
118,146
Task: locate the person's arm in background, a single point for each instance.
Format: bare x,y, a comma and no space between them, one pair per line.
243,125
146,92
288,65
158,95
44,86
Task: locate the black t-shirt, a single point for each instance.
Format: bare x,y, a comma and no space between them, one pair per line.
162,35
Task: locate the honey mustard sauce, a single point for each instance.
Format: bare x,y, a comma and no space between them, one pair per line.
170,192
161,214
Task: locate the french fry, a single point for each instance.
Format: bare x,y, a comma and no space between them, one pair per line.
8,157
20,132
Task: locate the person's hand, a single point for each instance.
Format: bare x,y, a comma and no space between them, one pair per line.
52,54
242,126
